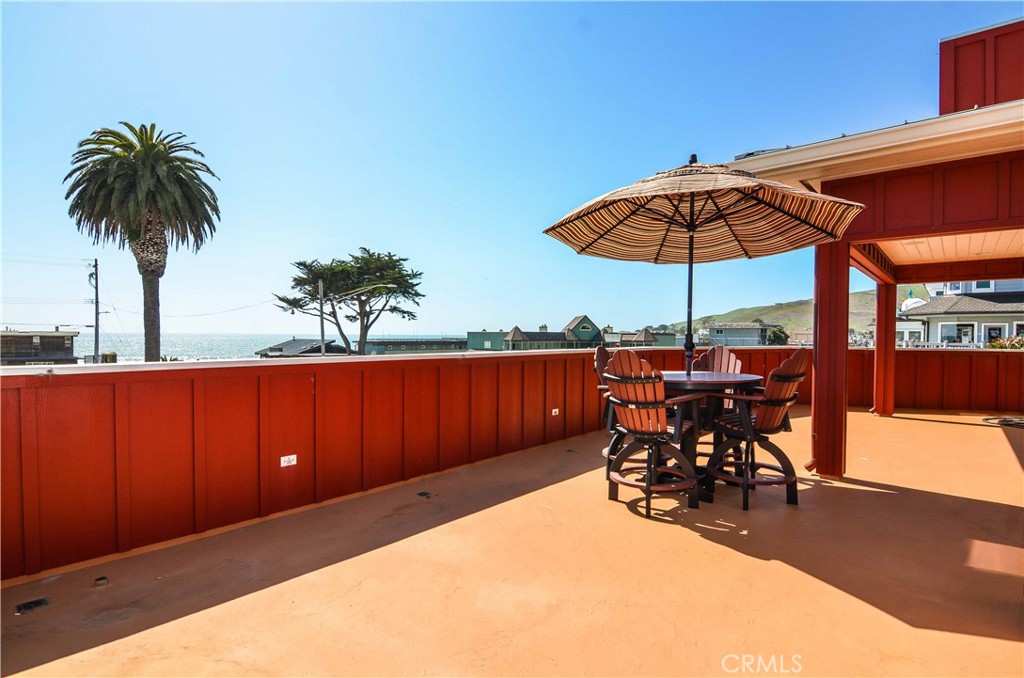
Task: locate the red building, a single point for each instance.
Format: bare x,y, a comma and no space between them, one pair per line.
944,200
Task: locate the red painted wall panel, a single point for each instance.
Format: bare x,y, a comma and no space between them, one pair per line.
534,402
420,416
969,74
483,419
510,407
984,384
77,490
455,396
908,201
952,197
574,380
12,533
290,431
161,470
342,451
382,429
971,193
982,68
232,477
929,381
92,445
554,399
1009,71
1016,187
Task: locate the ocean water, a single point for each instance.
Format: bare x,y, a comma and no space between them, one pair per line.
131,347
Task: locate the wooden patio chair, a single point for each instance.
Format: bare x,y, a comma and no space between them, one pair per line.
601,358
650,461
758,416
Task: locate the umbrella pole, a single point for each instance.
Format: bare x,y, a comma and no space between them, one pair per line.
688,344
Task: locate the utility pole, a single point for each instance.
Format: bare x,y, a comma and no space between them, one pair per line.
323,346
94,278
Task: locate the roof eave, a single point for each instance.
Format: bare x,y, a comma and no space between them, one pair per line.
955,136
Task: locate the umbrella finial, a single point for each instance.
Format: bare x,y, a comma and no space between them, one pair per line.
693,158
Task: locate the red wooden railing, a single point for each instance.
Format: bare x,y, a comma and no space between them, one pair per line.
101,460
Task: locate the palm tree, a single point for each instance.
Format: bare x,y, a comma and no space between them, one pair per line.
142,188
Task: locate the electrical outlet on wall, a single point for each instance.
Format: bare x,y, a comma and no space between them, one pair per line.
289,460
554,412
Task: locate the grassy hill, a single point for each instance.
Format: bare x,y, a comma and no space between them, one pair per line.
796,317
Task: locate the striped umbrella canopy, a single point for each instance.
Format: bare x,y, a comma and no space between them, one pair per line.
699,213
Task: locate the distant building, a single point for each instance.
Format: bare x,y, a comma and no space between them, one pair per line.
37,348
644,337
740,334
581,332
964,318
486,341
392,345
974,287
298,348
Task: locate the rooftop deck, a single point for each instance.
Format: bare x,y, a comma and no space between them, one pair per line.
911,565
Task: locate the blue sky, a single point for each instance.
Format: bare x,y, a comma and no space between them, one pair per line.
450,134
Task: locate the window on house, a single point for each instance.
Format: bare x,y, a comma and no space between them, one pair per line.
915,335
983,286
953,287
35,341
1018,329
719,331
487,343
67,342
585,327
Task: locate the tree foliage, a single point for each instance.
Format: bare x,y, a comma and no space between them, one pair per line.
359,289
142,189
777,337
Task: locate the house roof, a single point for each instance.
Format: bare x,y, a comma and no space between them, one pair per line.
517,334
294,347
970,304
576,321
742,326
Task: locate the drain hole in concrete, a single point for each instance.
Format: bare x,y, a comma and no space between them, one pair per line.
24,608
101,582
424,493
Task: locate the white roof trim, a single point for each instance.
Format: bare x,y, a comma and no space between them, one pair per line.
980,30
955,136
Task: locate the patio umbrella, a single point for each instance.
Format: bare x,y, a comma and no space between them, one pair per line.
698,213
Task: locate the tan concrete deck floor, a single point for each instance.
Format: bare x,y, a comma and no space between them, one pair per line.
910,566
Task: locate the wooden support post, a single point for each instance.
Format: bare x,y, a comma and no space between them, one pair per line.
831,339
885,350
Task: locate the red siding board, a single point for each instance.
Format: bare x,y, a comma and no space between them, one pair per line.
12,532
534,415
971,193
342,452
162,472
1016,187
77,486
454,416
984,382
956,378
382,426
906,379
908,201
420,414
290,432
510,407
969,75
592,400
574,396
1009,73
554,379
232,477
483,419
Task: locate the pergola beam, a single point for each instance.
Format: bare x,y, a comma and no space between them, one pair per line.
986,269
869,259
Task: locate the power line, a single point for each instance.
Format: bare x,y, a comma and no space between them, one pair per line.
42,260
192,315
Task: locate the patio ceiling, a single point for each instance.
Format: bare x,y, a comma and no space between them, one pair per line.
1006,244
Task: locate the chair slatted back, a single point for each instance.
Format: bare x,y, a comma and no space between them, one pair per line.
601,358
780,392
718,359
637,392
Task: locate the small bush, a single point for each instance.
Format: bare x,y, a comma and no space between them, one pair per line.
1016,343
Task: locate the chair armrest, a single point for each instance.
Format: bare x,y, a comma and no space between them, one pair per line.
752,397
689,397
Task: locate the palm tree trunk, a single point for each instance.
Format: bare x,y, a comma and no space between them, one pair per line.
150,251
151,315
